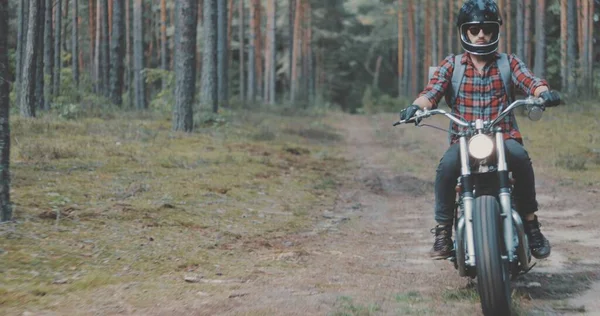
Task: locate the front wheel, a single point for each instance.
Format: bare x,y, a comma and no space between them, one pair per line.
493,280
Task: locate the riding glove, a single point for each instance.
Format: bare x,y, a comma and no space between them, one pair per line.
551,98
409,112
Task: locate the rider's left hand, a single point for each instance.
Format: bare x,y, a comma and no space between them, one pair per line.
551,98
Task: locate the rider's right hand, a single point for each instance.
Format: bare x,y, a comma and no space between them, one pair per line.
409,112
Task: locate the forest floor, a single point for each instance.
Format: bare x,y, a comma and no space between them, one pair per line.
282,213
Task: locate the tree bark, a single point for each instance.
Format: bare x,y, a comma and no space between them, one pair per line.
271,52
412,41
5,204
527,34
185,66
241,58
571,46
296,51
57,48
209,96
520,29
222,54
440,30
508,21
117,52
28,103
138,54
540,36
590,43
128,53
291,14
163,39
563,44
400,14
39,56
251,51
451,26
105,48
502,43
48,55
74,43
21,40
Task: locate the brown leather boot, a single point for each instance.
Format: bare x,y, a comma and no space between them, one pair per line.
442,246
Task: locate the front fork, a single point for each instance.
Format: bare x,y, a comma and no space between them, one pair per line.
504,196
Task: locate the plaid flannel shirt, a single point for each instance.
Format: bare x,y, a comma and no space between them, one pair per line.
482,95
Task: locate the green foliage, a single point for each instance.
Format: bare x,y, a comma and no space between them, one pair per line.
164,99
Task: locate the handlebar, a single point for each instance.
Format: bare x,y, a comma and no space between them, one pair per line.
536,102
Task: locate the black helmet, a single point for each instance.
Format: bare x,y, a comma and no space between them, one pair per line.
484,13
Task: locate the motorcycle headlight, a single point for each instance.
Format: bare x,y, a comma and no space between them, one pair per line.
481,146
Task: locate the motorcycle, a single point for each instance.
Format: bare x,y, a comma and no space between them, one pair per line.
490,241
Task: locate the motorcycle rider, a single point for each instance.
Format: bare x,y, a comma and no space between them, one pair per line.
482,95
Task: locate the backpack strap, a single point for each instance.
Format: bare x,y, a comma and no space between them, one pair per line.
506,74
457,77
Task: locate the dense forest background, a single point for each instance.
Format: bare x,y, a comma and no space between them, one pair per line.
184,56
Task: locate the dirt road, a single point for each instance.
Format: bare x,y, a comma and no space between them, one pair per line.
368,254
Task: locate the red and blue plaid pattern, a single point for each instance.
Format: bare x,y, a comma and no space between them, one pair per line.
481,95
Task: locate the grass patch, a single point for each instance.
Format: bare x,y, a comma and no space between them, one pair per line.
463,294
346,306
104,202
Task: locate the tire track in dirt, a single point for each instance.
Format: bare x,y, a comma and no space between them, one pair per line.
368,255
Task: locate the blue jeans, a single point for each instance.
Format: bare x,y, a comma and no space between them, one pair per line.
449,170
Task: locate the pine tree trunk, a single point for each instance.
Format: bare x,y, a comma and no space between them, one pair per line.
585,48
251,51
48,55
571,46
138,56
296,51
440,32
209,96
21,40
590,43
540,36
185,66
272,9
508,21
5,204
222,54
434,24
105,48
520,29
563,44
400,13
74,43
97,50
451,25
129,52
427,45
502,43
258,46
57,48
117,52
309,53
241,40
28,103
39,57
291,14
163,39
412,43
527,34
